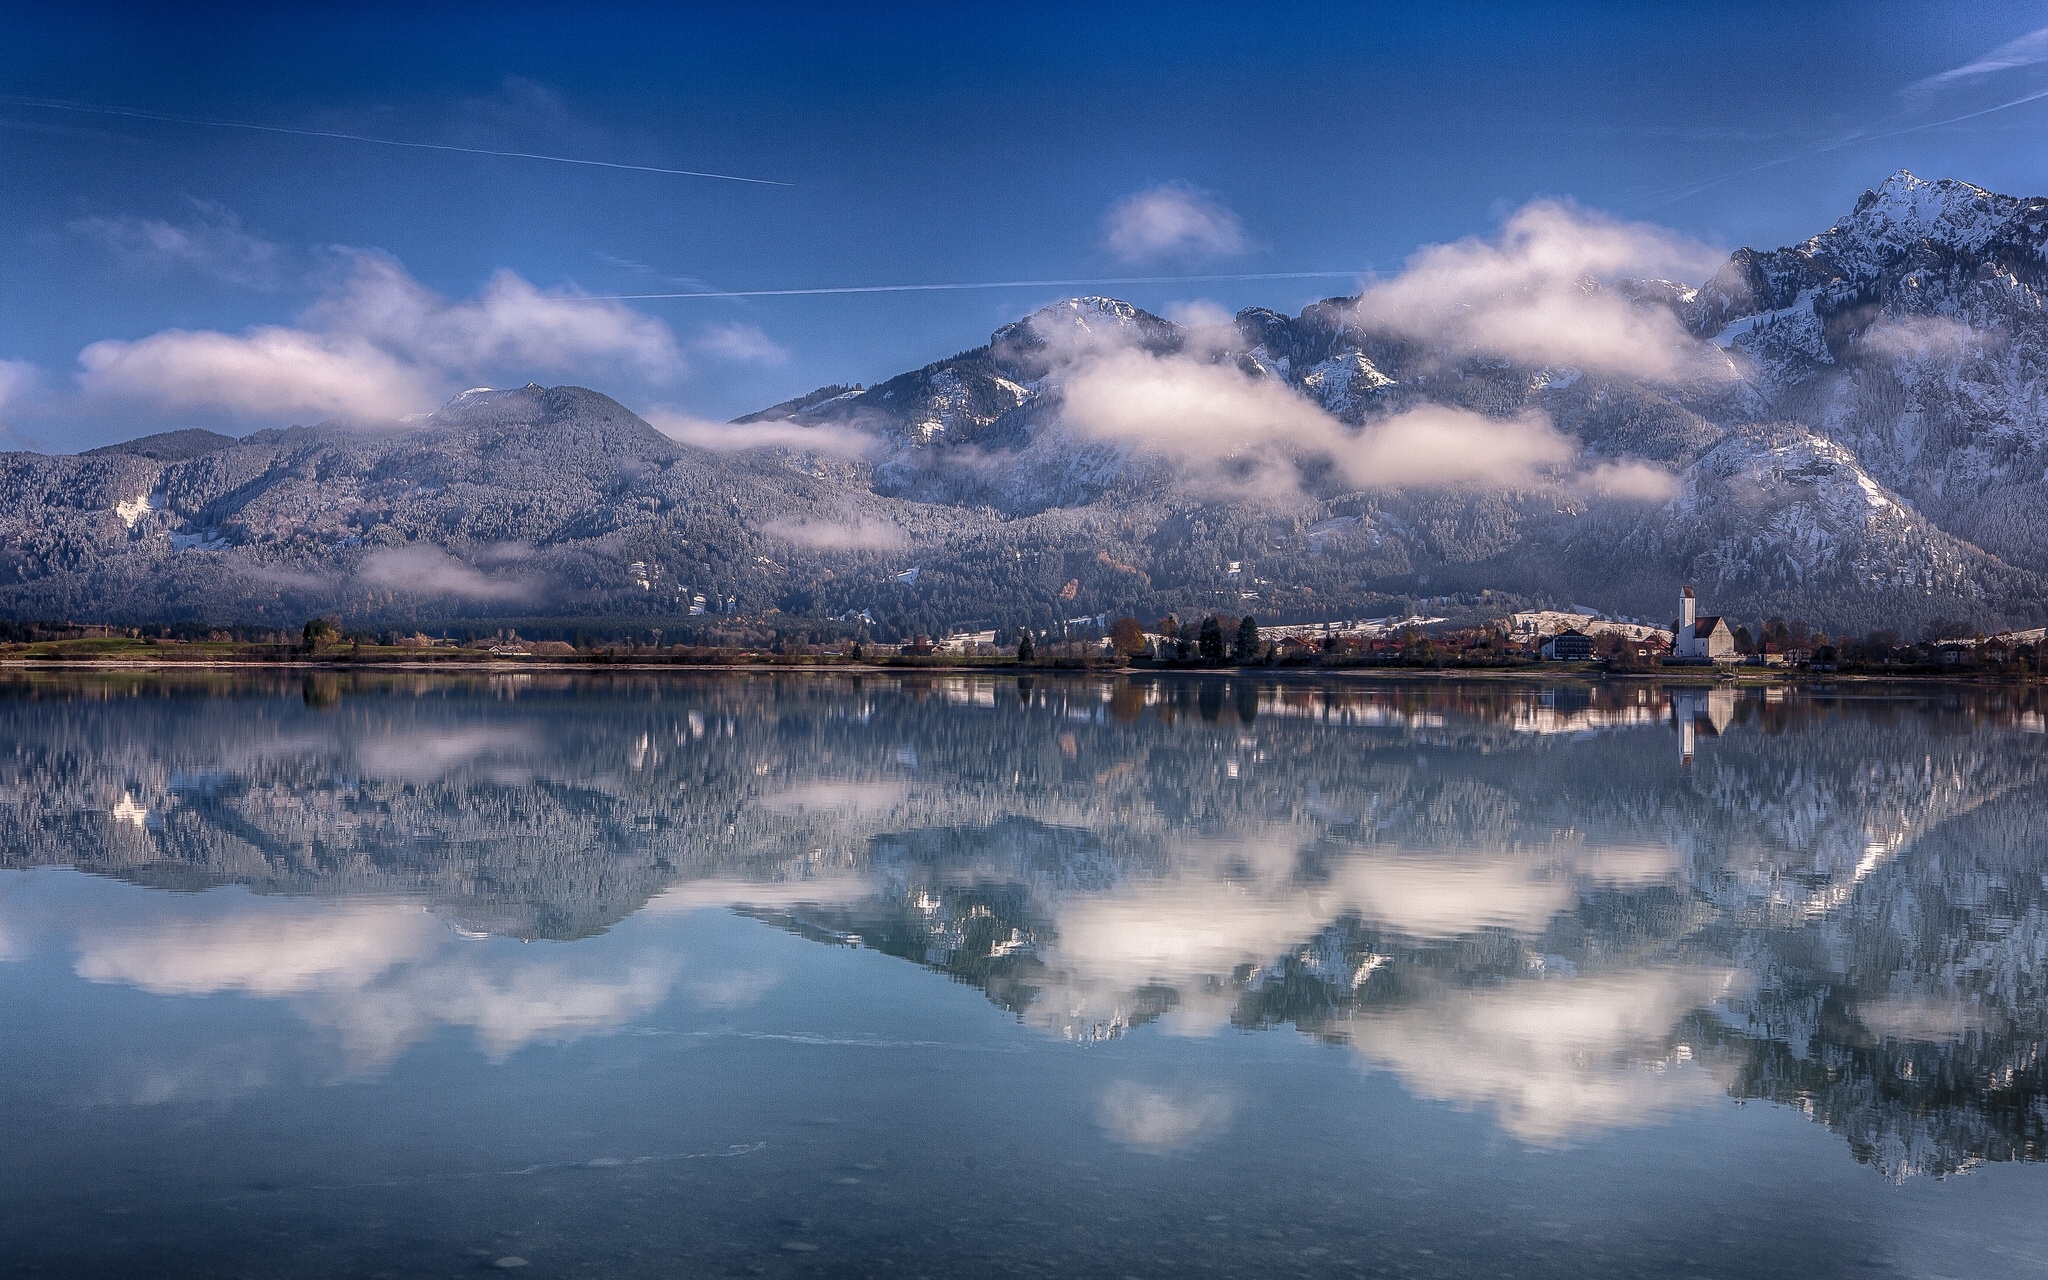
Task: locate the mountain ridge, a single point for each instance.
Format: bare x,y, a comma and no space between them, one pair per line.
1855,430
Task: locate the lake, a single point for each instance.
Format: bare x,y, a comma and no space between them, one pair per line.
1002,976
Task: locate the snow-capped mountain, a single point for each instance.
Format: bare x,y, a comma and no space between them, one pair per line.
1912,332
1853,429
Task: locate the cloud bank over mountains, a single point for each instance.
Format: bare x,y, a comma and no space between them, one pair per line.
736,437
378,346
1246,435
1530,294
1534,293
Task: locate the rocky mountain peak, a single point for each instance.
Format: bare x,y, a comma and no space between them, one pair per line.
1025,349
1906,210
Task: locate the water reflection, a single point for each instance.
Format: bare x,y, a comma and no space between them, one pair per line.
1572,910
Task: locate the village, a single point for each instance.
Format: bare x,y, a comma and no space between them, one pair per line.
1542,643
1547,639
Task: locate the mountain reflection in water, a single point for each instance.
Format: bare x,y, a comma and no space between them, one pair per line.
1571,910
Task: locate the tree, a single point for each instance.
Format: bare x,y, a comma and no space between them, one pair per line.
1247,639
1127,636
1210,641
319,631
1026,650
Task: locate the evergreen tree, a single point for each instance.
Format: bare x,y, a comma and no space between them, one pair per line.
1247,639
1210,642
1026,650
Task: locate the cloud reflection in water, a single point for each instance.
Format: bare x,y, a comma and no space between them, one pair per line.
1541,907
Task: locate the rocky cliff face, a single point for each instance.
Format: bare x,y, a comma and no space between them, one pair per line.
1856,433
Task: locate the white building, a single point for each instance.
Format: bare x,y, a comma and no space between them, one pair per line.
1701,638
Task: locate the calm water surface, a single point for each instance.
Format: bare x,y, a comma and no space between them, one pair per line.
993,977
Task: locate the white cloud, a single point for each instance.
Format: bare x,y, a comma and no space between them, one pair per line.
1172,222
1552,1059
268,372
1922,1016
261,949
1628,481
1923,338
506,1007
1157,1121
738,342
511,324
734,437
1215,421
415,754
835,796
1198,314
732,989
16,377
2028,50
844,535
1435,446
1531,294
212,241
432,572
1245,434
380,975
707,894
380,345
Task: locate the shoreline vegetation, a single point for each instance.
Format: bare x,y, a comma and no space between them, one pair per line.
1789,653
128,654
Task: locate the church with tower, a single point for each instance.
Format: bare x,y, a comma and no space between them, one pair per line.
1701,638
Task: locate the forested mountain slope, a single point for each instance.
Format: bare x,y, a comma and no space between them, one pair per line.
1853,429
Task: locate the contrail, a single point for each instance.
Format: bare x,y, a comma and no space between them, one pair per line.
1847,141
980,284
382,142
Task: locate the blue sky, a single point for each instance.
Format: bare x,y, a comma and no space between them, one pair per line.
159,272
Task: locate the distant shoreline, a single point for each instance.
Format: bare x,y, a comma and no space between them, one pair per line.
1561,673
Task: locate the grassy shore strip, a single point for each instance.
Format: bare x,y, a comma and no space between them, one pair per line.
112,656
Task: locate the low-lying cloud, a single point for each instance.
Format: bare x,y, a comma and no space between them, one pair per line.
378,345
1250,435
432,572
737,437
1532,294
266,372
1172,222
1923,338
839,535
